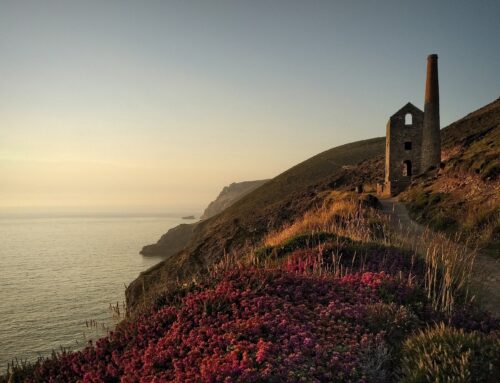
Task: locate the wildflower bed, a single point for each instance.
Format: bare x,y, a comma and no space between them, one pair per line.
251,325
258,325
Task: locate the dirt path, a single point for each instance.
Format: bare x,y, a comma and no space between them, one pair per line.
486,273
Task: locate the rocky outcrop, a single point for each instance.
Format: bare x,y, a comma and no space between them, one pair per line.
178,237
171,242
229,195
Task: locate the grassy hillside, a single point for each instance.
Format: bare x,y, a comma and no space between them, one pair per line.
464,196
243,224
332,297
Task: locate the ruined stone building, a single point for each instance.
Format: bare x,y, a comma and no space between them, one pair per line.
413,143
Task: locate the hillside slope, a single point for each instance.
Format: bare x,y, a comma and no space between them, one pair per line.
243,224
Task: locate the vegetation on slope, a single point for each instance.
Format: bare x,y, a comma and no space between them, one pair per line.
242,226
347,305
459,199
464,196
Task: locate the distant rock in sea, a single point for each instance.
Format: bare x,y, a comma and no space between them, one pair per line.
189,217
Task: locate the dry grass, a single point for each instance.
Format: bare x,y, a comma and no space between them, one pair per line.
449,262
341,214
448,271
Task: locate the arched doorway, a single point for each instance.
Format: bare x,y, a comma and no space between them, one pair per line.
407,168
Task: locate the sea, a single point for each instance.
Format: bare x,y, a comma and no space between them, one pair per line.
62,278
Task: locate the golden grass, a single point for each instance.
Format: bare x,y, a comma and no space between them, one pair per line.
448,271
448,262
344,217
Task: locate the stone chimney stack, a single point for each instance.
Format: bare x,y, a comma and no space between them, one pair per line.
431,136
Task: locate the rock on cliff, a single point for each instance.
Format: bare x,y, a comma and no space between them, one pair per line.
229,195
178,237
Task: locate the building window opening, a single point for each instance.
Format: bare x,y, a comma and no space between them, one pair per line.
408,119
407,168
408,145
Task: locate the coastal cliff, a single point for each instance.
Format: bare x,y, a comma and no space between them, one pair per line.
229,195
178,237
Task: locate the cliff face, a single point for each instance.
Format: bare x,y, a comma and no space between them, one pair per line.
229,195
178,237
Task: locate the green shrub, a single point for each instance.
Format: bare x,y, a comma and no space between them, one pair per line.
435,198
398,321
420,201
443,223
446,354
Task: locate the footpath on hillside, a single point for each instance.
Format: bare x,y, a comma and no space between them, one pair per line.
486,272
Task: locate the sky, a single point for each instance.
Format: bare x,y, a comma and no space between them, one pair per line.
154,106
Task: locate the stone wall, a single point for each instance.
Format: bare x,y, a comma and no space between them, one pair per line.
403,148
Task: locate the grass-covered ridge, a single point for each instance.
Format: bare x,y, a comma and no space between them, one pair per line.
329,297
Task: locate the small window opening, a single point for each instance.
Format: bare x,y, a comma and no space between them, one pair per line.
408,119
408,145
407,168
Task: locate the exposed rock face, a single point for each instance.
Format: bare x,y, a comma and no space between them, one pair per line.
178,237
229,195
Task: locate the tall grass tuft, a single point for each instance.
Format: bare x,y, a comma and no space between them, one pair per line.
448,272
447,354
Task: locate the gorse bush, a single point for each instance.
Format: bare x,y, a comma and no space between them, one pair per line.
447,354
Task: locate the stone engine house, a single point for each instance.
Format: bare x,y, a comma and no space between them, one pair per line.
413,143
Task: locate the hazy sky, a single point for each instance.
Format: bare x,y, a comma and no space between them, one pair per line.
155,105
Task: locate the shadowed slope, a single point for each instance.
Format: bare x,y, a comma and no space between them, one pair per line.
243,224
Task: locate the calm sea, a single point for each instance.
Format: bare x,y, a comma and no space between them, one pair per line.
58,273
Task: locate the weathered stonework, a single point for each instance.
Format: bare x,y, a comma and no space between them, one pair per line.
431,137
413,142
